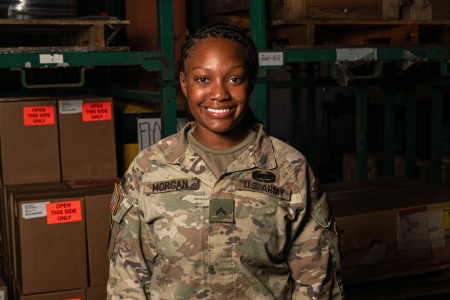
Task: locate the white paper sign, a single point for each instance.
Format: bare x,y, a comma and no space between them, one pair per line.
149,130
51,58
34,210
271,58
70,107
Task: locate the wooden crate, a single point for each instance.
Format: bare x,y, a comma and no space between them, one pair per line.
334,33
291,10
425,10
93,34
371,216
218,7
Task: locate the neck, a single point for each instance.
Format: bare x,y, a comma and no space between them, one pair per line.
221,140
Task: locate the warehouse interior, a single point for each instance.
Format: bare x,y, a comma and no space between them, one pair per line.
361,88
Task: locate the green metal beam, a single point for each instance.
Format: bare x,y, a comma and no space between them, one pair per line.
165,29
258,33
149,60
361,132
430,54
389,130
437,134
311,136
410,134
134,95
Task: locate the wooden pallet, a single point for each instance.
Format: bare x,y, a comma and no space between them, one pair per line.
81,34
357,33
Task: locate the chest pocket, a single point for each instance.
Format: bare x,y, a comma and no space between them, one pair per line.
261,209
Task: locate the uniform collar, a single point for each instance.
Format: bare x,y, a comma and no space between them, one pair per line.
261,150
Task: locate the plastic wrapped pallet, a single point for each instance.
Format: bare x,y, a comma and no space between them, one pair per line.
40,9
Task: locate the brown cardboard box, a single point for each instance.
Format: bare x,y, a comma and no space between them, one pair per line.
28,141
374,217
79,294
98,220
51,242
87,138
96,292
3,290
9,231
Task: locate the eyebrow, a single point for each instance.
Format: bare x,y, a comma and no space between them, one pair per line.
232,68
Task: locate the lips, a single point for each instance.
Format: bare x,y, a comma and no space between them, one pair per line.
218,110
219,113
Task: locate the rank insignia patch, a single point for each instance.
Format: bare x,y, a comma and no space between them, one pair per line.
221,211
115,199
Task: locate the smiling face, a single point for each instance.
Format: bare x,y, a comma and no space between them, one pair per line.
216,84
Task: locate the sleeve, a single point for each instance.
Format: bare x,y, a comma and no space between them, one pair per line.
130,268
314,257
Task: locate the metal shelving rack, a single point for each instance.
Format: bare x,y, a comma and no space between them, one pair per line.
432,54
159,61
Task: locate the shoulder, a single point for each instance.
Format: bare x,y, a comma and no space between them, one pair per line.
286,154
155,152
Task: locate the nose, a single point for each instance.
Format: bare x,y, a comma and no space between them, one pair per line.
219,92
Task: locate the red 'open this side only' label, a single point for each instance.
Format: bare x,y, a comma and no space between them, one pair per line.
38,115
64,212
96,111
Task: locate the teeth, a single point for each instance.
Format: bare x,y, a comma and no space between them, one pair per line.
218,111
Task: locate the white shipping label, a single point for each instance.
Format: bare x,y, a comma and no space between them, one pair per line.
271,58
51,58
2,295
34,210
70,107
420,230
356,54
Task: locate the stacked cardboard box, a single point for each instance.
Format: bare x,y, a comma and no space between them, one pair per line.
57,170
391,227
375,162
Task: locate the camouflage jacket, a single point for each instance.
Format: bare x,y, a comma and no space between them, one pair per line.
262,230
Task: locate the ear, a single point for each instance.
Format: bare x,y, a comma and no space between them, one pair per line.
183,83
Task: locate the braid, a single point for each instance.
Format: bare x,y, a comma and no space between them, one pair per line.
226,31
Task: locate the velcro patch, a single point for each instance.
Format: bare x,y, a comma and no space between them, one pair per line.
178,184
221,211
269,189
116,198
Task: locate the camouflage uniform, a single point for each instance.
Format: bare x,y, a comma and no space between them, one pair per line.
262,230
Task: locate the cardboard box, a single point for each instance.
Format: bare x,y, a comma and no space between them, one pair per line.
79,294
87,138
98,221
8,215
28,141
51,242
391,227
96,292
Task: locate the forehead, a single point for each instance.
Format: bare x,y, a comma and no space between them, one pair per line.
215,44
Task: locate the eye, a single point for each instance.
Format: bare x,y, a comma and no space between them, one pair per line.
236,80
201,79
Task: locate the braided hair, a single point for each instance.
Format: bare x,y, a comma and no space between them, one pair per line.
225,31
